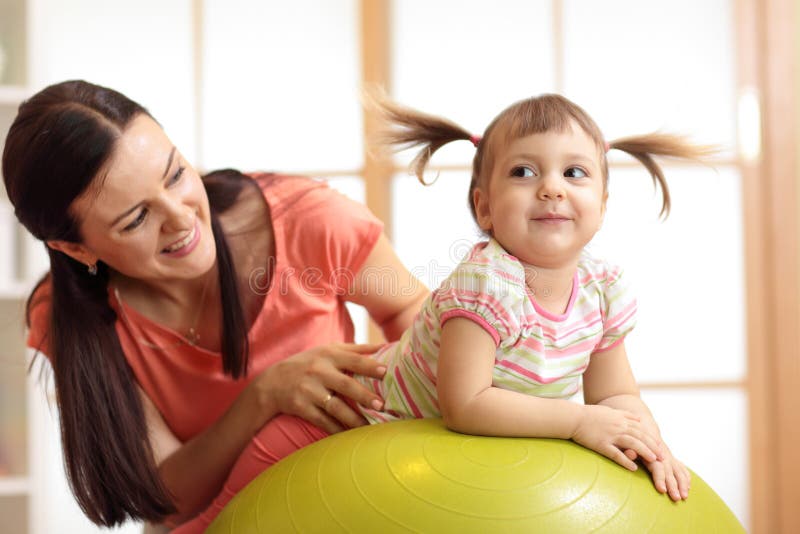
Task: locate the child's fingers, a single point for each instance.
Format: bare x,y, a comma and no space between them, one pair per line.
615,454
638,446
684,481
672,486
631,454
657,471
652,443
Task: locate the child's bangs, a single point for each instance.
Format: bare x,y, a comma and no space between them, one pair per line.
547,113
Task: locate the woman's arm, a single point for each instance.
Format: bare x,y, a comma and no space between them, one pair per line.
470,403
194,472
609,381
390,293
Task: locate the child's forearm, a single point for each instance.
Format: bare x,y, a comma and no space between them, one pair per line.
499,412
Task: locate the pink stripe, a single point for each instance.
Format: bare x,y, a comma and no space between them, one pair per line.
406,394
550,333
527,372
378,416
553,316
530,374
477,299
621,317
507,276
428,322
553,353
423,365
475,318
582,347
614,344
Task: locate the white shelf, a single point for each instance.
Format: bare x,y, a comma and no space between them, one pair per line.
13,94
14,486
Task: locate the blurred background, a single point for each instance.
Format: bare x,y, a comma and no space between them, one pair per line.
275,85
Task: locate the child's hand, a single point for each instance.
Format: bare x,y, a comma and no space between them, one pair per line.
610,431
670,476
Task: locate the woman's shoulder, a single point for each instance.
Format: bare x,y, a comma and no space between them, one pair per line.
287,193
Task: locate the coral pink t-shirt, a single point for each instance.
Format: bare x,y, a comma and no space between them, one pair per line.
321,238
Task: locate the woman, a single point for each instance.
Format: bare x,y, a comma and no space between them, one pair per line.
183,315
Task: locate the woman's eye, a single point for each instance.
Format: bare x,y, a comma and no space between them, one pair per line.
137,221
575,172
177,176
522,172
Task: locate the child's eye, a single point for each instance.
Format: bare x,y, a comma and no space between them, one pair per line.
522,172
575,172
137,221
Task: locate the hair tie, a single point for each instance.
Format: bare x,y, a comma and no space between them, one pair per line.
476,139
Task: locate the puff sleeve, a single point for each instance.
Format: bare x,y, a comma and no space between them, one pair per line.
618,309
486,294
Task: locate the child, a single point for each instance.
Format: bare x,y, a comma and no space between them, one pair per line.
505,340
499,347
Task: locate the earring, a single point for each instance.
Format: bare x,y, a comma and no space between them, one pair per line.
92,269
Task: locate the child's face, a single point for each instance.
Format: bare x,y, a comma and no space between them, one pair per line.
545,197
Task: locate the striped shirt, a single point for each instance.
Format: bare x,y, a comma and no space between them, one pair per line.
538,353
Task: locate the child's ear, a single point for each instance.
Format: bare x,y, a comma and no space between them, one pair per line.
480,200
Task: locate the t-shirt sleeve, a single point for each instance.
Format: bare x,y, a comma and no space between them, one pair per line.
331,235
482,295
618,311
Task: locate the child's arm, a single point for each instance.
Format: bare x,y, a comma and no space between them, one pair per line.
609,381
470,404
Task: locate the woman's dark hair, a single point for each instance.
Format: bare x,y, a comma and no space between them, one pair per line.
58,143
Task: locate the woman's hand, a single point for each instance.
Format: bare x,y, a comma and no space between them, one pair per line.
301,384
609,432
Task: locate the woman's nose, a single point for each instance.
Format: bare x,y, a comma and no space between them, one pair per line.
178,216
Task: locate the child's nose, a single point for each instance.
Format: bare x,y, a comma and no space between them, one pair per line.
551,188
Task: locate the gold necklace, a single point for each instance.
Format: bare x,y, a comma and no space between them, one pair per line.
192,338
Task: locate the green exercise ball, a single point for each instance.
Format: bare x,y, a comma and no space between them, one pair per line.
417,476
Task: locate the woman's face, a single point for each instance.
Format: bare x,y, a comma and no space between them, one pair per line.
146,215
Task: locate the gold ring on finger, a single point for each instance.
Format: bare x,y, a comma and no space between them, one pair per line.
328,399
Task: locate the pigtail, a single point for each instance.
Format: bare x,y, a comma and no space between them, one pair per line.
644,147
404,128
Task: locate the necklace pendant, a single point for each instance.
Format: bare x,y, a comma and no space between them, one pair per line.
192,337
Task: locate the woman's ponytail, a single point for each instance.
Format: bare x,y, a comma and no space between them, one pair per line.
107,454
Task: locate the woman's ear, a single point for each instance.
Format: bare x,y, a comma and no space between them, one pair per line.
76,251
480,200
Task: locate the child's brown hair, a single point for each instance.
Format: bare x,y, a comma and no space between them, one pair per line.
407,128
